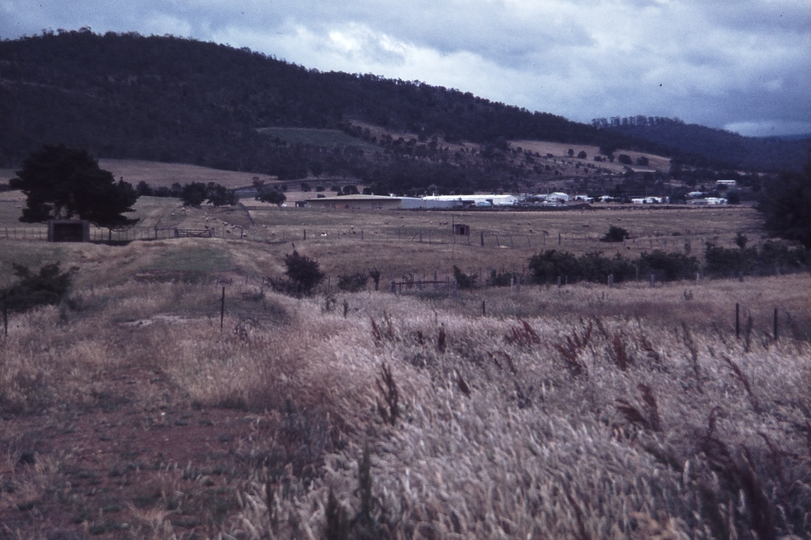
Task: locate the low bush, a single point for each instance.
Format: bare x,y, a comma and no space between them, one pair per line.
615,234
503,279
353,282
668,266
464,281
547,266
770,259
47,287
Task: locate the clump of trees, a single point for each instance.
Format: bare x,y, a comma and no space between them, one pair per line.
769,259
196,193
786,206
547,266
64,183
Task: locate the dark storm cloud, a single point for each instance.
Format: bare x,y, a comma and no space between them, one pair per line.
740,64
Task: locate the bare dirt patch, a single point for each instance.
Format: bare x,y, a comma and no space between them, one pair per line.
116,470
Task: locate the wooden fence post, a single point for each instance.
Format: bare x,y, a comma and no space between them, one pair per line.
737,321
222,308
775,324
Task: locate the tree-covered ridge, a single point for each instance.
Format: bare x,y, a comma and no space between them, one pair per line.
178,100
124,95
703,146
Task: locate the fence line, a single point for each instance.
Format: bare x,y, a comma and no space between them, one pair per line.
484,238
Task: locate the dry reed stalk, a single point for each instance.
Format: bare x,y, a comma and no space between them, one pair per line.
388,390
523,336
744,380
651,406
618,353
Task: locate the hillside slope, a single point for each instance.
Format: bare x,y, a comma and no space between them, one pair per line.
702,146
125,96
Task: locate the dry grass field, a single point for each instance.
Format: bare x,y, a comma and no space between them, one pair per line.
398,243
133,410
560,152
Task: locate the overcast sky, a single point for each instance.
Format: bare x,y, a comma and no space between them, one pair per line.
742,65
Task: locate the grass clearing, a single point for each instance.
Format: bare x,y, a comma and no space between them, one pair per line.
327,138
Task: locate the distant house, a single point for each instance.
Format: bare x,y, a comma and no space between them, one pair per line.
557,198
649,200
711,201
726,183
460,229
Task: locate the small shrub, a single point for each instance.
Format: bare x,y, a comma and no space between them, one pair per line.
464,281
47,287
615,234
503,279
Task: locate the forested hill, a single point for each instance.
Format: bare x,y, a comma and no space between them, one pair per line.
178,100
705,144
125,95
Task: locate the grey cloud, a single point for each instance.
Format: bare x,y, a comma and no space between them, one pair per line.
719,63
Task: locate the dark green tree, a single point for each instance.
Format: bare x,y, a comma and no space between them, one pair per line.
303,271
193,194
271,195
63,183
786,206
219,195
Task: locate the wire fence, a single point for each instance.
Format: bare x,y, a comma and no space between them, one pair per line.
482,238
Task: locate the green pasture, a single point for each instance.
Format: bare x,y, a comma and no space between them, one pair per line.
316,137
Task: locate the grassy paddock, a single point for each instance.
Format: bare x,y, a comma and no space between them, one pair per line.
571,413
542,412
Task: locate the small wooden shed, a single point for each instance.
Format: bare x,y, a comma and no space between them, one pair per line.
460,229
68,230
